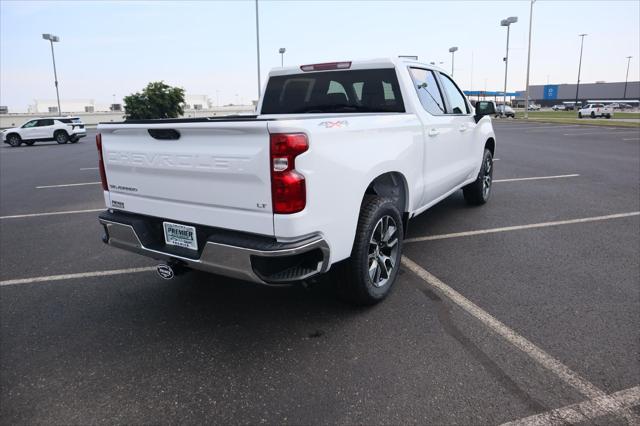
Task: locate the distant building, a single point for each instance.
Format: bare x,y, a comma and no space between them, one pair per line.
552,94
196,102
4,110
48,106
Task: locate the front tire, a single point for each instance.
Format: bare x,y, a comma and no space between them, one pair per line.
61,137
593,114
479,191
14,140
367,277
579,115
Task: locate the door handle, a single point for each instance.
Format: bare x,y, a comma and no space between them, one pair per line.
463,128
434,132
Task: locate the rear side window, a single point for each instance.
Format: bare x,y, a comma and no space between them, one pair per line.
350,91
456,98
70,120
428,91
43,123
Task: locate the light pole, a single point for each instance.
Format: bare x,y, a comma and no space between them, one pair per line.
281,51
506,23
453,51
627,77
579,68
526,100
258,47
54,38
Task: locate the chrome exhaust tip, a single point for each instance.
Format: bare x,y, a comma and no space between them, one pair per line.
165,271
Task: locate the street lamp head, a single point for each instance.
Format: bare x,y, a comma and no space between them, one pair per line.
582,35
51,37
282,50
510,20
453,49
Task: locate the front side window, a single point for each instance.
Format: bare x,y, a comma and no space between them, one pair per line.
428,91
30,124
456,98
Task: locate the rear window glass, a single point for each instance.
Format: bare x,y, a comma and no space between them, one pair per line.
334,92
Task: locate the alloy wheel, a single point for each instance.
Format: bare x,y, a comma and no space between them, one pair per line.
486,177
383,251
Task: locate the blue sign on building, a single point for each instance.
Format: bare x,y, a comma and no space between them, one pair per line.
551,91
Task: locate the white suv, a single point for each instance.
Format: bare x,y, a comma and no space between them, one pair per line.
59,129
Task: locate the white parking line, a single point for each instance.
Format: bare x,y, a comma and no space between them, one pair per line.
89,168
68,184
535,178
520,227
583,411
74,276
563,372
17,216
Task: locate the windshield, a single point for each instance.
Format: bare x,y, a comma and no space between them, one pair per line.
375,90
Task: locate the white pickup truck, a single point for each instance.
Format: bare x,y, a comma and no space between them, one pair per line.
326,176
595,110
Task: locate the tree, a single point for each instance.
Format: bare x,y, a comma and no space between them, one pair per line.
157,100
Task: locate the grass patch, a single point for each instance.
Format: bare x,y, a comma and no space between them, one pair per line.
584,121
571,114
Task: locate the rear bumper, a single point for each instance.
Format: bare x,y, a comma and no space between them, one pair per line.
234,254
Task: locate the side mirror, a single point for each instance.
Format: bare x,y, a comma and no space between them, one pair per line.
484,108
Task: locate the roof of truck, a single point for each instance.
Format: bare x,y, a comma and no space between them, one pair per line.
357,64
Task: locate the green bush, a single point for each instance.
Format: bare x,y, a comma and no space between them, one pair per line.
157,100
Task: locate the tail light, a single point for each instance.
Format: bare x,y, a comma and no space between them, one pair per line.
103,175
288,189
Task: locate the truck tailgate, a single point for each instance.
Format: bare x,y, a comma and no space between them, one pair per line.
214,174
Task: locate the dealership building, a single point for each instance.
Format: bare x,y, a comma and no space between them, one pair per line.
553,94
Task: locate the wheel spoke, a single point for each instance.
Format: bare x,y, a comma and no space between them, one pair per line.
373,269
378,272
391,230
383,267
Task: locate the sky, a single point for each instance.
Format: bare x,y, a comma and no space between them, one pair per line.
209,47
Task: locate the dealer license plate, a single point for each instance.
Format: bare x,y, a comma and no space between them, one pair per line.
180,235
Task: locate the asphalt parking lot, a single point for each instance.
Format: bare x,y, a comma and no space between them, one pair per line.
526,309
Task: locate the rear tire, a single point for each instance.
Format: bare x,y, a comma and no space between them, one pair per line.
579,115
367,277
593,114
479,191
61,137
608,116
14,140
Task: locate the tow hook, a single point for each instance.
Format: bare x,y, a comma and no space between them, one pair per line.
168,270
